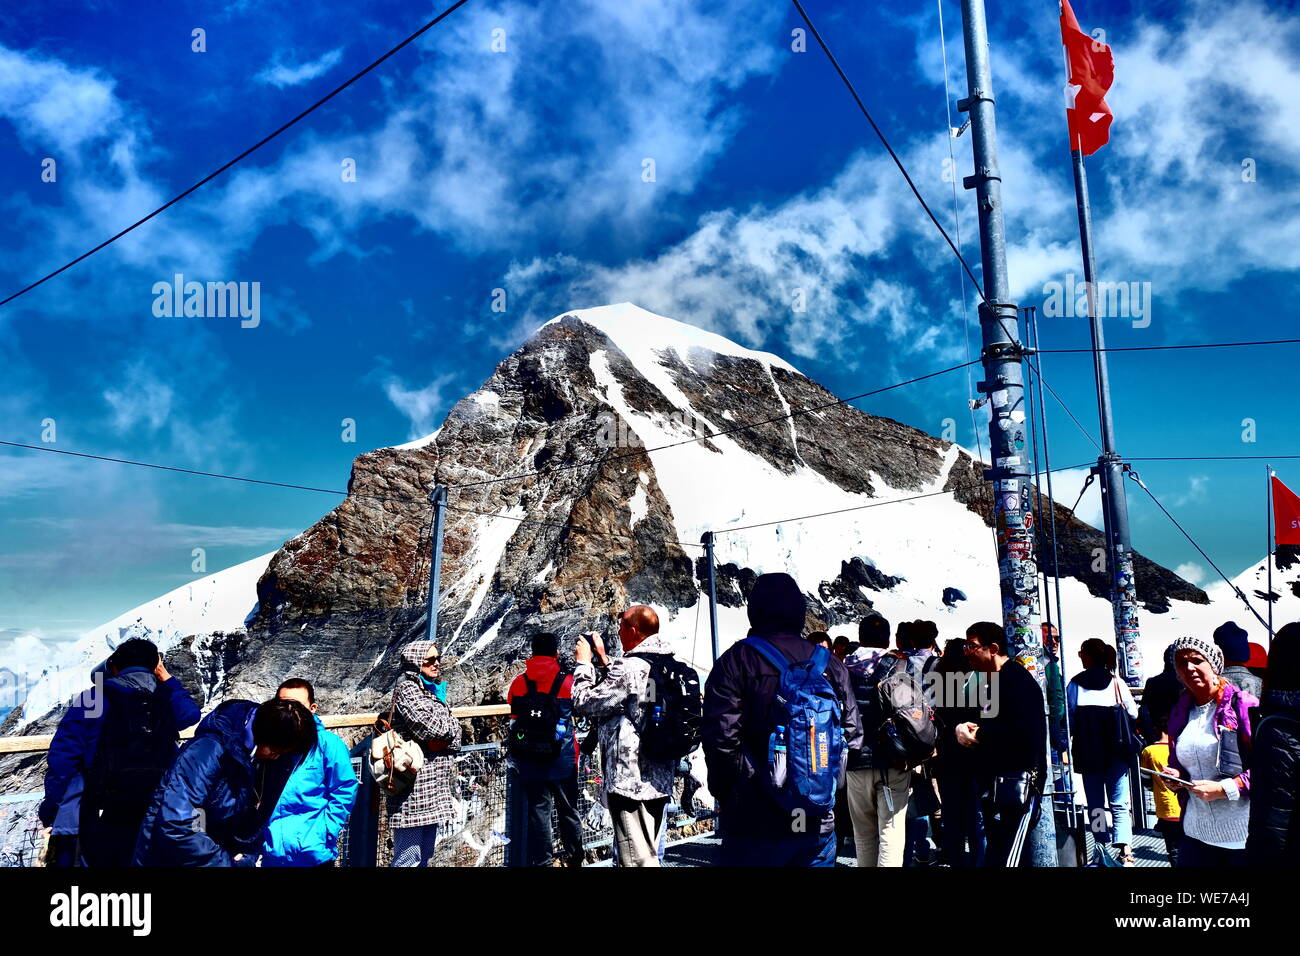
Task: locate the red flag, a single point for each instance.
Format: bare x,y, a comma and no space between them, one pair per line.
1286,514
1092,70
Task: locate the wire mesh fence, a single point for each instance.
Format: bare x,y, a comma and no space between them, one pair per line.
22,844
478,836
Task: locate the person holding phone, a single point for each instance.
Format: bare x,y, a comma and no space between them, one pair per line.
637,788
1154,761
1211,737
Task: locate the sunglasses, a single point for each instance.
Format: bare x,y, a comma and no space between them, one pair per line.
432,660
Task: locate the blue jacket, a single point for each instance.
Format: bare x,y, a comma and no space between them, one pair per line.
72,751
215,773
314,806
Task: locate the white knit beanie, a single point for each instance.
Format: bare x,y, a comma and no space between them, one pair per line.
1207,649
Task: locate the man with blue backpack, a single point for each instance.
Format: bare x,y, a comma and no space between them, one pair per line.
779,720
543,759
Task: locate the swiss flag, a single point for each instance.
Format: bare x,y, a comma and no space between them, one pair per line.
1286,514
1092,70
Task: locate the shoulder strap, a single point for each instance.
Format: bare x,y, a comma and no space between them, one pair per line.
650,657
772,655
529,686
1278,718
559,682
821,658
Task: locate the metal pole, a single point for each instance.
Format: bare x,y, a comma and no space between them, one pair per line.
707,540
1004,384
439,501
1110,467
1268,530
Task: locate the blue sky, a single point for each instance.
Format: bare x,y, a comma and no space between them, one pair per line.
522,170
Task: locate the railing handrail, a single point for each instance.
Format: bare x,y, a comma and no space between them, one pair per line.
34,743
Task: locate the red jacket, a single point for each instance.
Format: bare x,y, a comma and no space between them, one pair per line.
542,672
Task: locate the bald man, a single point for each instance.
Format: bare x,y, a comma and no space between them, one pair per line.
636,790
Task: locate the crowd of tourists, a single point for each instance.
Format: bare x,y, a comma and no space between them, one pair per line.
905,747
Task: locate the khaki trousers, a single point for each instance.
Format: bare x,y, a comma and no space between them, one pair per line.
636,829
878,809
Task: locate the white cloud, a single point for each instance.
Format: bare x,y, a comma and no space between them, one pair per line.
175,535
420,405
809,271
1191,572
141,399
24,656
1068,484
1196,491
281,75
53,105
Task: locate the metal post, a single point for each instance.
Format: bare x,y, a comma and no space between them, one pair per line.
1110,467
1004,385
1269,531
707,540
439,501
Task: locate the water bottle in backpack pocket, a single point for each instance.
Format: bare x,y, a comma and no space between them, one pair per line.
539,729
672,728
806,745
777,756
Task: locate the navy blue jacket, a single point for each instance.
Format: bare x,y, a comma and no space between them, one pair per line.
72,751
215,773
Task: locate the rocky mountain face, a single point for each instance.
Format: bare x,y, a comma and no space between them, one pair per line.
558,518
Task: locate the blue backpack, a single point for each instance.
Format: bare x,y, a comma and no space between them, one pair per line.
806,745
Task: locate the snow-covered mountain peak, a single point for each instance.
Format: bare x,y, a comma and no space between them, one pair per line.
645,337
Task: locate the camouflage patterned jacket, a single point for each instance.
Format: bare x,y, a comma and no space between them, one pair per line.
617,701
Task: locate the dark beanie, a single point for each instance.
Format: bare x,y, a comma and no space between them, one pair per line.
776,605
1232,641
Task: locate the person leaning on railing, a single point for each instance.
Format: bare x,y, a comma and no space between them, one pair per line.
421,817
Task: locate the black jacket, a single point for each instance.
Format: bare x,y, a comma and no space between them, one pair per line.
1274,837
737,702
1158,698
1013,737
1100,726
957,703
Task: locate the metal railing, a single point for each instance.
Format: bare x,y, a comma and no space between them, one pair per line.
482,791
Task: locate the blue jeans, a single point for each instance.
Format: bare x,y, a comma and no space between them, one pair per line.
963,820
1111,786
810,850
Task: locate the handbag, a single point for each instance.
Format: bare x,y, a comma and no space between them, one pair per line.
1130,744
1013,791
394,761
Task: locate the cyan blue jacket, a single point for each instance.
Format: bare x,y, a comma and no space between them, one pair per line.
215,773
72,751
314,806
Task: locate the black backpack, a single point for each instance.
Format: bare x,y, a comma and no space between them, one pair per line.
673,712
137,744
535,733
898,719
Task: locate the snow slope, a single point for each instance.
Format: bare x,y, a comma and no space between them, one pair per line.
218,602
